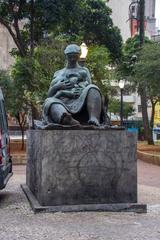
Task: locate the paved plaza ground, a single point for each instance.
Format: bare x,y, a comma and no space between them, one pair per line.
17,221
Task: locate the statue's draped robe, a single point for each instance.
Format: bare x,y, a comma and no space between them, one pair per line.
72,105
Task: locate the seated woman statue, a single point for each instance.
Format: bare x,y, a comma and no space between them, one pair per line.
72,98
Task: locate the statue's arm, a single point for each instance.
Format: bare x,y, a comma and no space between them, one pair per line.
54,86
53,90
58,83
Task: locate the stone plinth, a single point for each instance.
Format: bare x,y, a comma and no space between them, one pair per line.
74,167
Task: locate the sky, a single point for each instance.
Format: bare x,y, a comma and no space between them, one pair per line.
158,13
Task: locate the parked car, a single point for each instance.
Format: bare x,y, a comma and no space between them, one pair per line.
5,158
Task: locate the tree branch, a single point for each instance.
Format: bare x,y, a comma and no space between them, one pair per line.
8,27
19,37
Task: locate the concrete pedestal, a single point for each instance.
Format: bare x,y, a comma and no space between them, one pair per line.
82,167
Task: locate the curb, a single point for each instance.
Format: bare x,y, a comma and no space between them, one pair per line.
148,157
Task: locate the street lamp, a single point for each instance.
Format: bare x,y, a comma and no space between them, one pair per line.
45,34
84,51
121,86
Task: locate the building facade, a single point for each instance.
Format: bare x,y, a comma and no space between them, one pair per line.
120,16
150,17
6,45
125,15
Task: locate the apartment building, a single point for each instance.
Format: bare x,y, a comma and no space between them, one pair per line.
150,20
6,45
125,15
120,16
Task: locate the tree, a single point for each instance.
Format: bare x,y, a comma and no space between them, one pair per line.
130,55
6,86
126,69
14,101
114,107
91,20
26,21
98,60
147,75
49,57
11,13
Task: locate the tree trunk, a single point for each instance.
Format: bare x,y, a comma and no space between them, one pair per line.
141,30
152,115
35,112
22,132
147,129
21,120
32,29
20,48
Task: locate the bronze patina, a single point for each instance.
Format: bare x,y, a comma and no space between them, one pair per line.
72,98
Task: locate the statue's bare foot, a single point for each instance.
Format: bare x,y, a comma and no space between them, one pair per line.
68,120
94,121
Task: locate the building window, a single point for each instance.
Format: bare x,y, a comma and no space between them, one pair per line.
133,9
139,108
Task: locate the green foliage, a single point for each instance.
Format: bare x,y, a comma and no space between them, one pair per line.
88,19
147,69
140,66
21,76
14,100
131,53
128,110
48,58
114,107
144,71
97,61
6,85
12,91
32,76
91,20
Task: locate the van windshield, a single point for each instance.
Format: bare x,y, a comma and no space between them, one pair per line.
3,119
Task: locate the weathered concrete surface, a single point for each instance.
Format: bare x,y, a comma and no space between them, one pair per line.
69,167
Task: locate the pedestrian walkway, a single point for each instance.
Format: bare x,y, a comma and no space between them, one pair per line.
18,222
148,183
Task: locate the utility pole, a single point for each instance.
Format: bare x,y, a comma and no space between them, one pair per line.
141,29
148,133
32,28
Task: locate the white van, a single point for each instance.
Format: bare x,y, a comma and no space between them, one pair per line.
5,158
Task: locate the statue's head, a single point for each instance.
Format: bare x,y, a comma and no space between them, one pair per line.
72,53
72,49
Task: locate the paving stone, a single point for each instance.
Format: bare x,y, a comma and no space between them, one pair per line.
17,221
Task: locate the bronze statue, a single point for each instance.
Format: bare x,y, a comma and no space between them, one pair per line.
72,98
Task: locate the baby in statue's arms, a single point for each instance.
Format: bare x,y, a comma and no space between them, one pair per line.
78,82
